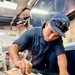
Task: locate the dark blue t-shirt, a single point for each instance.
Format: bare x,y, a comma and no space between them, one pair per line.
39,49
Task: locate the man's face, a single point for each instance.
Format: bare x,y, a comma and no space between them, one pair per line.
49,33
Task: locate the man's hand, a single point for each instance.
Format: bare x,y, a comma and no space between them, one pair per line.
64,73
24,65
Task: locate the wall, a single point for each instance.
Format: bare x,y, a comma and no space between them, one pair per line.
70,35
6,39
7,36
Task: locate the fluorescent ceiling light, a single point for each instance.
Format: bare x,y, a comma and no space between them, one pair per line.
9,5
39,11
1,33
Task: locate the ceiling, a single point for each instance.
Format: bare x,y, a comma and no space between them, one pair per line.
9,12
6,14
52,6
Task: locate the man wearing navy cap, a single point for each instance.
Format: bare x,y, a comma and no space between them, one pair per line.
41,42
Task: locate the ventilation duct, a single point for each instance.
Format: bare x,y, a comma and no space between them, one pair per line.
1,0
8,0
5,0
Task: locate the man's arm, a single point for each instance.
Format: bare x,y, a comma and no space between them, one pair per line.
13,52
24,65
62,63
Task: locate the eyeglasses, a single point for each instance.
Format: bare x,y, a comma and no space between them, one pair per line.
23,18
17,19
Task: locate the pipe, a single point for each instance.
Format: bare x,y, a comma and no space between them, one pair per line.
31,3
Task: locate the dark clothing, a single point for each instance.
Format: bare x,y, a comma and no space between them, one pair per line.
39,49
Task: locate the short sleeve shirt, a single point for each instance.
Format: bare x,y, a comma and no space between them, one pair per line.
40,50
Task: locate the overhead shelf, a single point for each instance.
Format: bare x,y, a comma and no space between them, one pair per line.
71,15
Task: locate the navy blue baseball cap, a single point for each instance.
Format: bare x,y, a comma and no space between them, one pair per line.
60,23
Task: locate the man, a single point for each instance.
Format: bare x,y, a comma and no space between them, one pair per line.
41,42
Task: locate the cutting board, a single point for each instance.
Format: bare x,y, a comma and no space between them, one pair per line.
17,72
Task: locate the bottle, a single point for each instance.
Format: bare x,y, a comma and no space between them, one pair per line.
7,61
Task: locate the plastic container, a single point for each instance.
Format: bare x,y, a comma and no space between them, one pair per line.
7,61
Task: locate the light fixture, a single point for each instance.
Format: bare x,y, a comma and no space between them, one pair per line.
9,5
2,33
42,12
39,11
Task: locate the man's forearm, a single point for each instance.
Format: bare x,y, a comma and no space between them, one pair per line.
62,62
13,53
